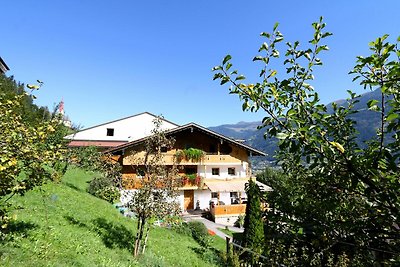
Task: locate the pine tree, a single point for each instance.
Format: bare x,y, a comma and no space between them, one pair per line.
253,223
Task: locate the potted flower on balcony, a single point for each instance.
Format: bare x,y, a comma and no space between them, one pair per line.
185,180
194,154
191,177
179,155
190,154
199,181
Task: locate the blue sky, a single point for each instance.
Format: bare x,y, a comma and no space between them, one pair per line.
111,59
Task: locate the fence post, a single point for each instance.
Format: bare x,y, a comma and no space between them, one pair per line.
228,241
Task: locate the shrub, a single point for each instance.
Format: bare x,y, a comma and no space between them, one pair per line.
231,258
102,187
182,229
109,193
200,233
240,221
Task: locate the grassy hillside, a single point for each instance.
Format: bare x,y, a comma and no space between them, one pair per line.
62,225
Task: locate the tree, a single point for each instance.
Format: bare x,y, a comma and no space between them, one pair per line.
345,203
253,222
31,151
156,196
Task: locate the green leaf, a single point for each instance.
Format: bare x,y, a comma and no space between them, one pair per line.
281,136
392,116
240,77
272,73
338,146
265,34
226,59
264,46
257,58
372,102
32,86
216,68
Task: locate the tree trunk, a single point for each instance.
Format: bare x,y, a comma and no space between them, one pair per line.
139,235
145,238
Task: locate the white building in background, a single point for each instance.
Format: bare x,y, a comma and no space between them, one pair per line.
117,132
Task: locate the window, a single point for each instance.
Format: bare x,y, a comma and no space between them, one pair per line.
215,171
110,131
234,194
235,198
231,171
214,194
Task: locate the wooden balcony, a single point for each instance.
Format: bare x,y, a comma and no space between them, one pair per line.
170,159
223,210
133,182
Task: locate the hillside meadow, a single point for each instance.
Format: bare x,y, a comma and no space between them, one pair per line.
60,224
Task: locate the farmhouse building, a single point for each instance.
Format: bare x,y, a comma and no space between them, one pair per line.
214,182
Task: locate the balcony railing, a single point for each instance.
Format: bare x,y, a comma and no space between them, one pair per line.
221,210
132,182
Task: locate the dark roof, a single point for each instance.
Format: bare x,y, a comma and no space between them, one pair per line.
3,64
126,118
191,125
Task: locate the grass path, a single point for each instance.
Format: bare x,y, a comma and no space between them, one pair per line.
62,225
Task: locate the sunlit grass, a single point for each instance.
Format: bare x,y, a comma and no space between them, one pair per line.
62,225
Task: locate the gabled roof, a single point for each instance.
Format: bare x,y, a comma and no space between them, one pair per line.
136,115
191,125
126,129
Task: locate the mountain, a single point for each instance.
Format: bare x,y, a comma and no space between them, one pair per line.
367,122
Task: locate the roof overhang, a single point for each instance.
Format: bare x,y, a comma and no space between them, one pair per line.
233,186
3,66
191,127
105,144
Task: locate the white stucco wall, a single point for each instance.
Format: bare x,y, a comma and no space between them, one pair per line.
204,197
127,129
206,171
225,197
181,199
227,220
126,196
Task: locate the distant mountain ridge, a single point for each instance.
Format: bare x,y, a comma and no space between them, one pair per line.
367,122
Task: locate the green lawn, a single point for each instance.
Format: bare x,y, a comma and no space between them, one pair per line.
62,225
226,231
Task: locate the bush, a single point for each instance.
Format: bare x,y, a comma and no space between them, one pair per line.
182,229
231,258
240,221
102,187
200,233
109,193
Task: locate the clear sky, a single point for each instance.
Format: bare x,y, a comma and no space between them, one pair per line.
111,59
